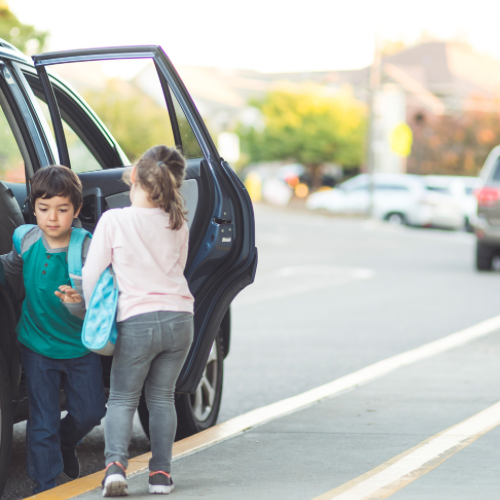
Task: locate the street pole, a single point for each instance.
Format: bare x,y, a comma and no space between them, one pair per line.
373,86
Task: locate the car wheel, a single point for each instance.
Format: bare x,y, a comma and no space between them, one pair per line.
484,257
468,226
199,411
6,425
396,218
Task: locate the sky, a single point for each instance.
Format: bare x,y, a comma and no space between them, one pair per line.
265,35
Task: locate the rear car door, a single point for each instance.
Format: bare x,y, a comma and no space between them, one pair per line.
222,256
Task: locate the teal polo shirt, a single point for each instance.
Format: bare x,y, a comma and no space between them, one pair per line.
46,325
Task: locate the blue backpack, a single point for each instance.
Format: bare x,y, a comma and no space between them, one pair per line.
99,330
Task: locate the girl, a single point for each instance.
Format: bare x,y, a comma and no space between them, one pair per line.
147,246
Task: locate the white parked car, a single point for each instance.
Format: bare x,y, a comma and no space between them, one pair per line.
398,198
462,189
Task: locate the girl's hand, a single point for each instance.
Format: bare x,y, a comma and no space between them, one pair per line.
68,294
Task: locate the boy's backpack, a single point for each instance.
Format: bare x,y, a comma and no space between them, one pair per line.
99,326
75,246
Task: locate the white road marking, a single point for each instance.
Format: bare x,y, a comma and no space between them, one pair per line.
397,473
361,377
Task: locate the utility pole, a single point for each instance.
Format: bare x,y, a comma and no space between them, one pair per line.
373,86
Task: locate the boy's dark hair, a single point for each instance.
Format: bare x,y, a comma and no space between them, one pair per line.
56,180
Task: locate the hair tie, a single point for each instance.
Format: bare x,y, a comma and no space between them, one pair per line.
160,163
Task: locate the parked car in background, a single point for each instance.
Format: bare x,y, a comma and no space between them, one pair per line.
488,212
462,189
43,122
397,198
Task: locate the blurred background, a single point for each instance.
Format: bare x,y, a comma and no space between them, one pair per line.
301,98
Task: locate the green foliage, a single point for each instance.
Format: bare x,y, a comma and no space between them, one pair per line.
309,125
18,34
134,119
11,160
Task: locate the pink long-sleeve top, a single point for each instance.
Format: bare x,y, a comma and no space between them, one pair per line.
148,259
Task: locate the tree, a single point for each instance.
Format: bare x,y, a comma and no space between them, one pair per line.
136,121
453,145
308,124
19,34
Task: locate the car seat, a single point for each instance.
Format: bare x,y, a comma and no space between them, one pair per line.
10,218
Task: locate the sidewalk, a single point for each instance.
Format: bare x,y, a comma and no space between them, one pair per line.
310,452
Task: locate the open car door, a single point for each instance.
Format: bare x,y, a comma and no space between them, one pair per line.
222,256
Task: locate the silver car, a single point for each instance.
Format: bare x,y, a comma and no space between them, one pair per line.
488,212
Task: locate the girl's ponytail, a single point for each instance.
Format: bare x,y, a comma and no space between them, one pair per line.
160,172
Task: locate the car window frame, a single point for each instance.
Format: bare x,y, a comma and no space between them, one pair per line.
38,153
164,68
80,118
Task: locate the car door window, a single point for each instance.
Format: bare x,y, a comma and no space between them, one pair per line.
360,189
82,160
131,106
12,166
190,146
496,170
90,145
391,188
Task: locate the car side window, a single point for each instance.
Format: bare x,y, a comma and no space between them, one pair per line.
190,145
496,170
359,188
12,165
128,97
390,187
82,160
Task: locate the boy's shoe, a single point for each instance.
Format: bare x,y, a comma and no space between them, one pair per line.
71,465
114,483
160,482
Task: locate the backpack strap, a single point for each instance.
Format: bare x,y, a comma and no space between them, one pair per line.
75,250
19,234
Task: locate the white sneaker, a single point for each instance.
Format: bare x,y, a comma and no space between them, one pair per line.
160,482
114,483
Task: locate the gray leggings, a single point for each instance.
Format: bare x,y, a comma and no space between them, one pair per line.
151,348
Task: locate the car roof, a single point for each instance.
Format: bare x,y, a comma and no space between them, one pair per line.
383,177
8,51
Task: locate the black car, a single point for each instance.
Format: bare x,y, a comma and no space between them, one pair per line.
43,122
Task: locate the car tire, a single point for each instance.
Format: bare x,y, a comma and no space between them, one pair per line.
396,218
199,411
484,257
468,226
6,425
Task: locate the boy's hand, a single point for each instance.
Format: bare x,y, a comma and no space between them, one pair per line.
68,294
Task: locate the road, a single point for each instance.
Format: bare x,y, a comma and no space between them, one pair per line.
332,295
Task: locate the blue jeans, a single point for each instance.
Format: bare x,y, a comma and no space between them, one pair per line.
150,351
46,433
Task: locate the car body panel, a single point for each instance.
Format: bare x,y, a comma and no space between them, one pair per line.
402,194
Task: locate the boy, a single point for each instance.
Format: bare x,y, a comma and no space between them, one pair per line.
49,333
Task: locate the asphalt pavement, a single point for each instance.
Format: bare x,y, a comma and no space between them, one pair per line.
332,295
313,451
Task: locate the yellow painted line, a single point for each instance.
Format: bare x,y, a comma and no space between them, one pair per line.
259,416
390,477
